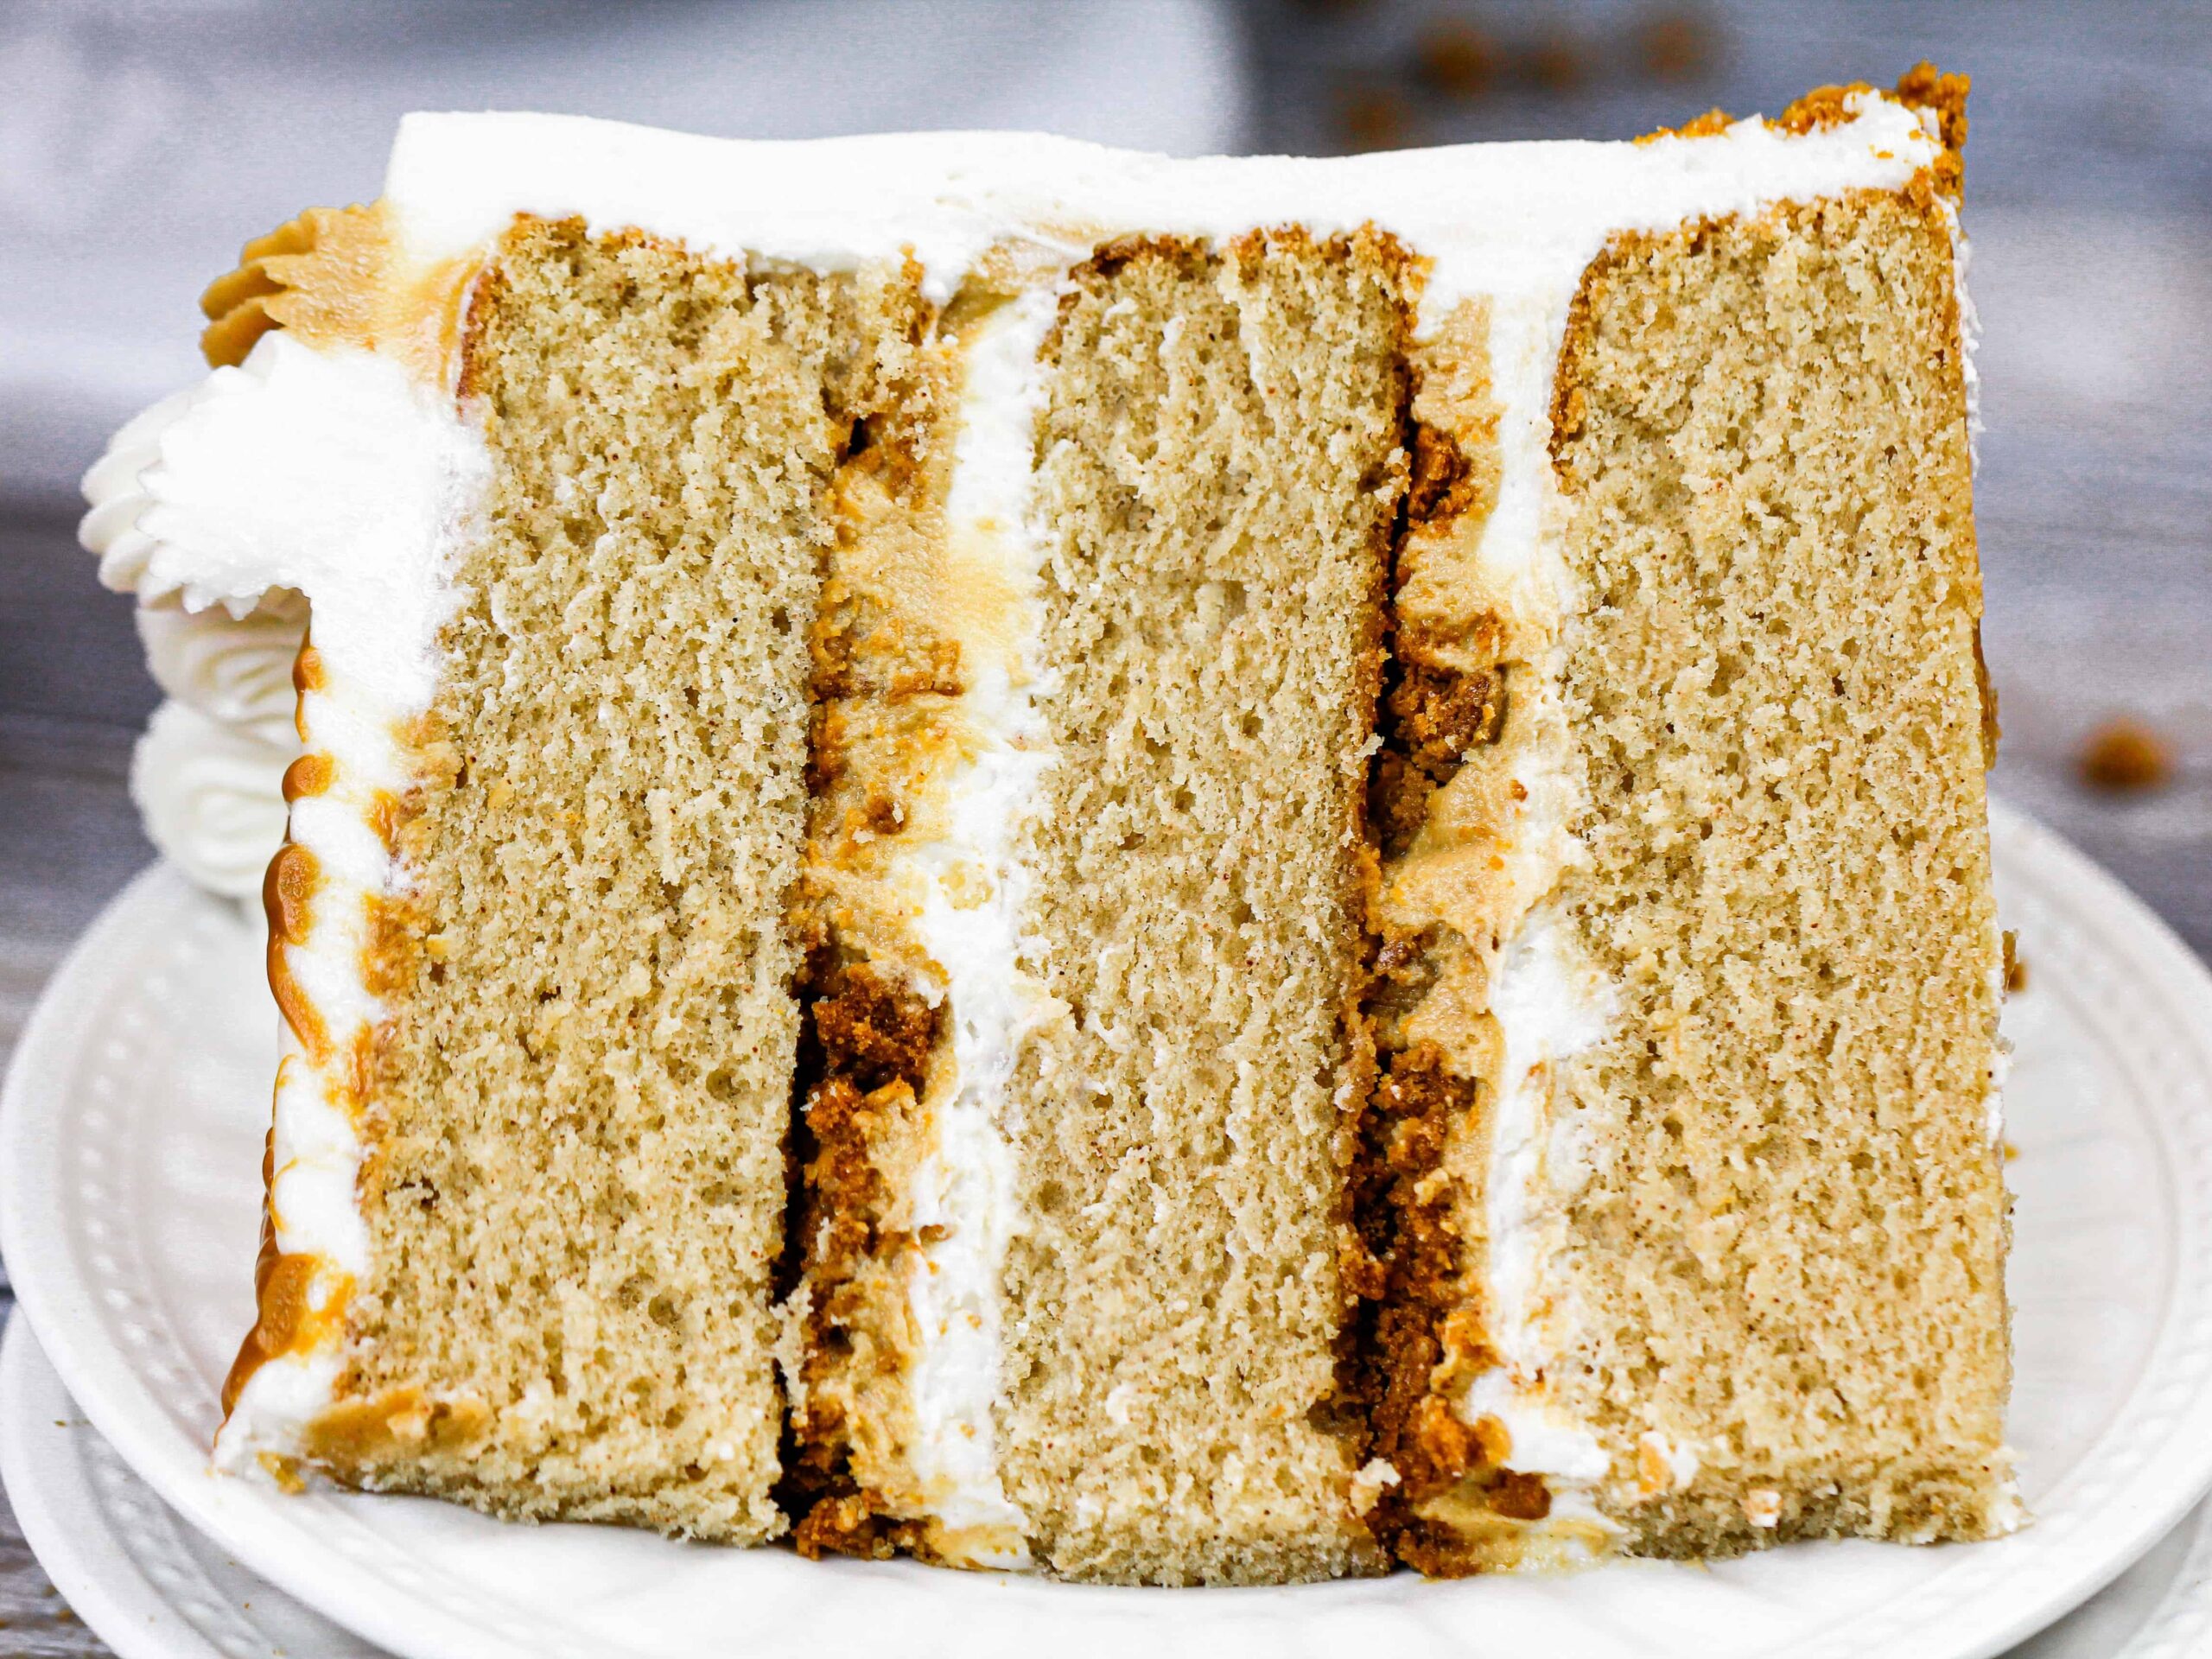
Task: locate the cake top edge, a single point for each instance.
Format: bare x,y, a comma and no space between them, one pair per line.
912,154
456,179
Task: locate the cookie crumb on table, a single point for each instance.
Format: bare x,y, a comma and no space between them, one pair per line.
2125,757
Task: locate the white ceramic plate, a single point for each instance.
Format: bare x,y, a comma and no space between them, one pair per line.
130,1147
153,1588
147,1583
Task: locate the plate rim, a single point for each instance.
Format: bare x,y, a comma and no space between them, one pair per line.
108,1390
30,1389
118,1400
57,1505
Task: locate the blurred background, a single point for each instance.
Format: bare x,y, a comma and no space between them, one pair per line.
141,140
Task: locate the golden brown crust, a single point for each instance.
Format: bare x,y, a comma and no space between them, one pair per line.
1990,731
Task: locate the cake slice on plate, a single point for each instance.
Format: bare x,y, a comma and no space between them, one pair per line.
1181,871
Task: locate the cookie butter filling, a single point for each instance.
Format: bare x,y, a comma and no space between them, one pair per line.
970,888
1549,1004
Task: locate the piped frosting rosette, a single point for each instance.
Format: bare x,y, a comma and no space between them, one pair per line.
211,796
207,775
236,670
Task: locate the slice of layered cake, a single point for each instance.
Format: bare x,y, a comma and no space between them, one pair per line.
1181,871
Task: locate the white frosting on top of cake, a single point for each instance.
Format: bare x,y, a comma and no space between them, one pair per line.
971,890
1495,217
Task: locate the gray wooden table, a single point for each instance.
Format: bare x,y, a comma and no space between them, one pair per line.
2090,191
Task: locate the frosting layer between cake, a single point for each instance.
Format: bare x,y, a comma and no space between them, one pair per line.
972,890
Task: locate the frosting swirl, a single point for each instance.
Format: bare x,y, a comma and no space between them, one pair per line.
212,797
237,671
207,775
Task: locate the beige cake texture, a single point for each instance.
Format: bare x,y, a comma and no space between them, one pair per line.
1262,549
1217,543
1801,922
578,1112
1174,873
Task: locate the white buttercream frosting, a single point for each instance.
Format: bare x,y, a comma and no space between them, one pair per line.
211,796
326,471
236,670
1549,1007
115,498
1496,218
206,776
970,890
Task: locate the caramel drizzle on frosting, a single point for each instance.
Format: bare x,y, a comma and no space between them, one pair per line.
288,898
311,774
286,1320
